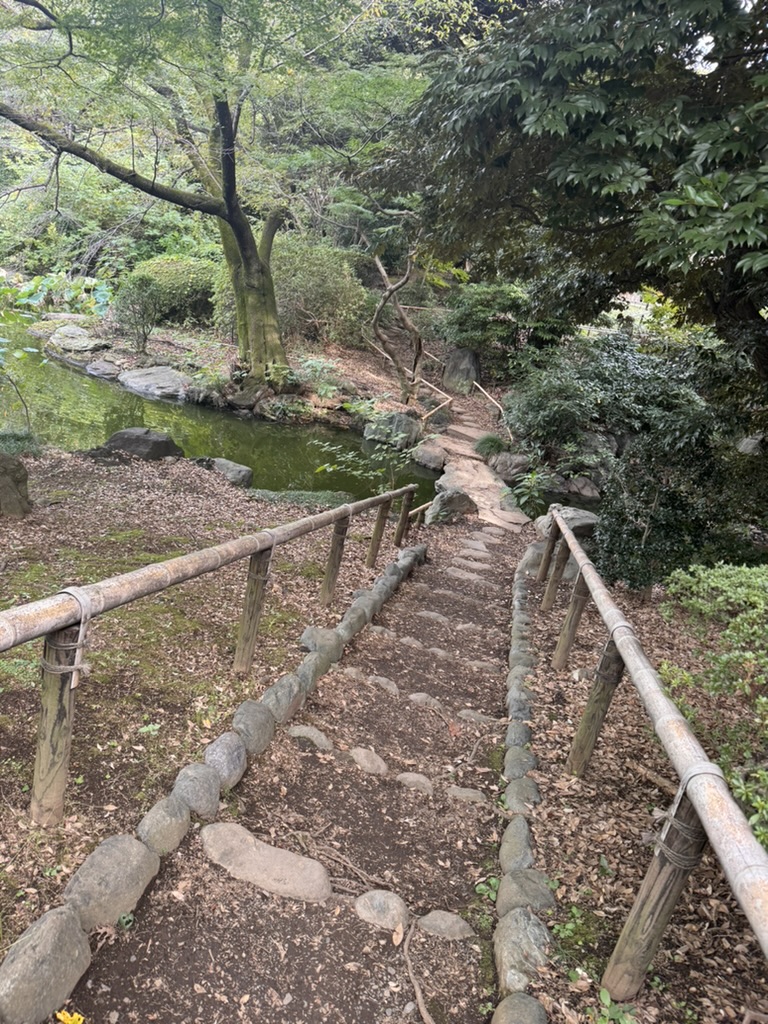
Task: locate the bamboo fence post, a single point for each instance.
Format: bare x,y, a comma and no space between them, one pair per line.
403,522
561,559
607,678
253,605
579,600
546,556
677,853
378,533
334,559
54,732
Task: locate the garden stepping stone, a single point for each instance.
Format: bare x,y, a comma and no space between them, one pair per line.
465,563
368,760
414,780
386,684
424,700
470,577
466,795
383,909
446,925
244,856
475,554
309,732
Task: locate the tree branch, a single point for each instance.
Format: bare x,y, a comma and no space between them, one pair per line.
62,144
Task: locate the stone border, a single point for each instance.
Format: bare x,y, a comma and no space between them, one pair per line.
520,940
43,966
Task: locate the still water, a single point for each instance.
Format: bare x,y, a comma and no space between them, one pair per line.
73,411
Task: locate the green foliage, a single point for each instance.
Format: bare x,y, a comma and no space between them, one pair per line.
182,287
496,319
320,374
627,140
59,292
489,888
530,489
139,308
490,444
620,1013
735,598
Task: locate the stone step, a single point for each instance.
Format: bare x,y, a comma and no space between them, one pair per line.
465,432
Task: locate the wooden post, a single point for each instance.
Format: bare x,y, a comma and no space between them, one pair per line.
334,560
403,522
253,605
579,599
561,558
54,732
546,556
678,852
378,533
607,678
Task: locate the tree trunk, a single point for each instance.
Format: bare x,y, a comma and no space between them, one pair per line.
259,343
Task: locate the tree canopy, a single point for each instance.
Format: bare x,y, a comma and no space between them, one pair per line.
630,136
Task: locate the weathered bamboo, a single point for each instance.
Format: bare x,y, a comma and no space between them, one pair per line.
54,731
677,854
561,560
378,533
546,556
334,560
437,408
36,619
743,859
253,605
579,599
403,522
607,678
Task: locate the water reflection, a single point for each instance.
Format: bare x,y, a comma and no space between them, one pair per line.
74,411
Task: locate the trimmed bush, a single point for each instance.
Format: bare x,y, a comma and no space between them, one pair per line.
184,287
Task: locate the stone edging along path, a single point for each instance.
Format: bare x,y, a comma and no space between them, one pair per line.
520,940
42,968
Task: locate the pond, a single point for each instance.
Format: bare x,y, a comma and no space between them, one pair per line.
73,411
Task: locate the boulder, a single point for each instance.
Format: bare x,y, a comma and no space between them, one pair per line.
71,340
395,429
240,476
429,455
508,466
14,497
448,505
579,520
583,487
462,367
144,443
156,382
110,881
103,368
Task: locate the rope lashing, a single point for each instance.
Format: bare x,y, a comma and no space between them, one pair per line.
77,668
692,832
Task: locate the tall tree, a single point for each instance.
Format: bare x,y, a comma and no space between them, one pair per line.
158,94
632,136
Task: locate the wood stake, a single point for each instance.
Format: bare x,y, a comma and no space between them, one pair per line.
403,523
579,599
549,547
334,560
54,732
253,605
678,852
378,533
607,678
561,558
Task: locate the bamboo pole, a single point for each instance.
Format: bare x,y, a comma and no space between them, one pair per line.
549,547
678,852
437,408
36,619
561,560
579,599
607,678
743,859
378,533
401,532
253,605
54,732
334,560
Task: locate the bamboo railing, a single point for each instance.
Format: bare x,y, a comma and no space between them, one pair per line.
63,619
704,808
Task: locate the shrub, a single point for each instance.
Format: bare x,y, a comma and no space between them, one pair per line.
490,444
139,308
319,299
184,286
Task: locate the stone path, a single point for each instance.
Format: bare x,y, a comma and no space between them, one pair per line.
377,805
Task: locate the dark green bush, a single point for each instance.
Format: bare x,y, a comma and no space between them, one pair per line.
184,286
